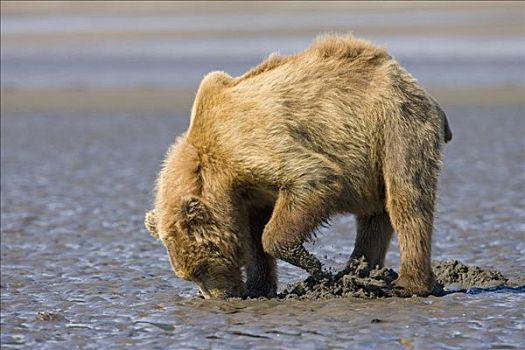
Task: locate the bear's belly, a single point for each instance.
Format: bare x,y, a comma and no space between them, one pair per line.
361,199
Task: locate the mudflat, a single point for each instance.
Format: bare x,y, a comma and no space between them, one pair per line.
79,268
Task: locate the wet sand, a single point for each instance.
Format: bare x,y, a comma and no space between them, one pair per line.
163,99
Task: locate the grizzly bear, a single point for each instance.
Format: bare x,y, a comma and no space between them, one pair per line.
269,156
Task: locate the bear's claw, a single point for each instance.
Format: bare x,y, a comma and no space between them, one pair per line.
405,288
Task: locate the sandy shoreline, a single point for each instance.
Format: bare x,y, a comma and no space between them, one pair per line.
166,99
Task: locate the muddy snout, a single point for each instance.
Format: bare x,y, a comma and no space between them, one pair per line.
215,293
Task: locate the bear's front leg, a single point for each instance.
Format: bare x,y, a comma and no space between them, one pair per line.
261,277
261,270
300,257
299,209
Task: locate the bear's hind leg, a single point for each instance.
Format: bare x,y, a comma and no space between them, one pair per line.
410,205
374,233
414,235
411,170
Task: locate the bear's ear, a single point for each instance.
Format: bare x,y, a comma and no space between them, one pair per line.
150,221
193,212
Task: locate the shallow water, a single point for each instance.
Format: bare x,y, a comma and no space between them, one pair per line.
74,191
41,51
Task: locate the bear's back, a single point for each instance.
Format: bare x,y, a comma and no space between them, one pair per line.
331,67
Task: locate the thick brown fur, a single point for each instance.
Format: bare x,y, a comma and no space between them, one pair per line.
274,153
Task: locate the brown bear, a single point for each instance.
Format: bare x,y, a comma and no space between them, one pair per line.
269,156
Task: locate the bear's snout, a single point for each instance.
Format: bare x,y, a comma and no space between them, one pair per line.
215,293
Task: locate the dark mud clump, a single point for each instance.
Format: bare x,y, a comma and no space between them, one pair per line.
456,273
358,280
49,316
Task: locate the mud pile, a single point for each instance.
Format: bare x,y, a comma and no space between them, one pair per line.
456,273
358,280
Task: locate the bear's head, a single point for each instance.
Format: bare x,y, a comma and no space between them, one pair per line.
200,248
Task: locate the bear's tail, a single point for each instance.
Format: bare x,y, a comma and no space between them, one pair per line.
446,128
448,132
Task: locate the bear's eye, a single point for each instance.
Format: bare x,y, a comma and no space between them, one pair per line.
201,271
